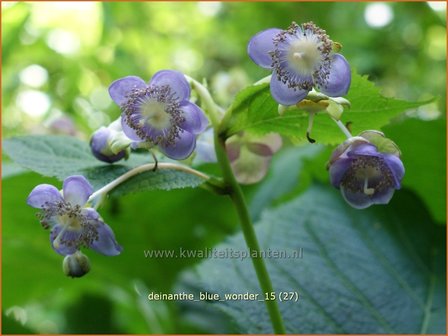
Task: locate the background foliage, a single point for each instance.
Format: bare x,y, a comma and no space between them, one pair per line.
59,58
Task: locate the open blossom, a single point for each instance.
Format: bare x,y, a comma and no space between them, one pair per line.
364,174
301,57
159,113
72,224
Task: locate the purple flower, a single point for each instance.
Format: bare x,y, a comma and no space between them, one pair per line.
72,224
159,113
364,174
101,146
205,148
301,57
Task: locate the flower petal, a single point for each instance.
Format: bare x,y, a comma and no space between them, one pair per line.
77,190
195,120
183,147
338,170
260,45
121,87
396,167
128,131
260,149
100,147
359,200
356,199
90,213
285,95
249,167
383,197
205,148
43,193
363,149
175,80
106,243
340,77
66,242
233,149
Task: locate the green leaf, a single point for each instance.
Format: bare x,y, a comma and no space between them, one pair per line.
423,148
256,111
163,180
381,270
62,156
33,277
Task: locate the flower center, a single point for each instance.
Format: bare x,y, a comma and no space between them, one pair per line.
301,58
304,56
368,175
71,222
154,114
62,213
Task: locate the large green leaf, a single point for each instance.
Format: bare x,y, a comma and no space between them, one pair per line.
32,274
256,111
423,147
62,156
381,270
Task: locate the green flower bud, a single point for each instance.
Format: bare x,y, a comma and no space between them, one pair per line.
76,265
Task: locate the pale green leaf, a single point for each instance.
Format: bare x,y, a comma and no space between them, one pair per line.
256,111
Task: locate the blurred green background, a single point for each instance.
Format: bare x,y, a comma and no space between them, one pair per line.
57,62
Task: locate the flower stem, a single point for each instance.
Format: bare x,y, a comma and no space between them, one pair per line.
211,183
237,197
343,128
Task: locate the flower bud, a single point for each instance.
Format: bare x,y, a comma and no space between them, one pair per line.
250,156
76,265
103,145
367,169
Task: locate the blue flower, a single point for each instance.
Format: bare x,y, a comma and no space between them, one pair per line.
72,224
159,113
100,144
301,58
364,174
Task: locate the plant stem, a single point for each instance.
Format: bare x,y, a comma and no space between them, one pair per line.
343,128
237,197
212,184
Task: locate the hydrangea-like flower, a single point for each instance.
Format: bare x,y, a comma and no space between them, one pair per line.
159,113
365,173
72,224
301,58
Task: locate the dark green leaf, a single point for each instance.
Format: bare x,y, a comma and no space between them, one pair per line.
381,270
62,156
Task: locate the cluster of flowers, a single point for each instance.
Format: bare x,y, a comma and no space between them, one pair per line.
159,114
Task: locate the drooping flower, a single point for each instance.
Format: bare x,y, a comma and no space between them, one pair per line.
159,113
72,224
367,169
109,144
250,156
301,58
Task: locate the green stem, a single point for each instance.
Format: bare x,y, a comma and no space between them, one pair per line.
236,194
